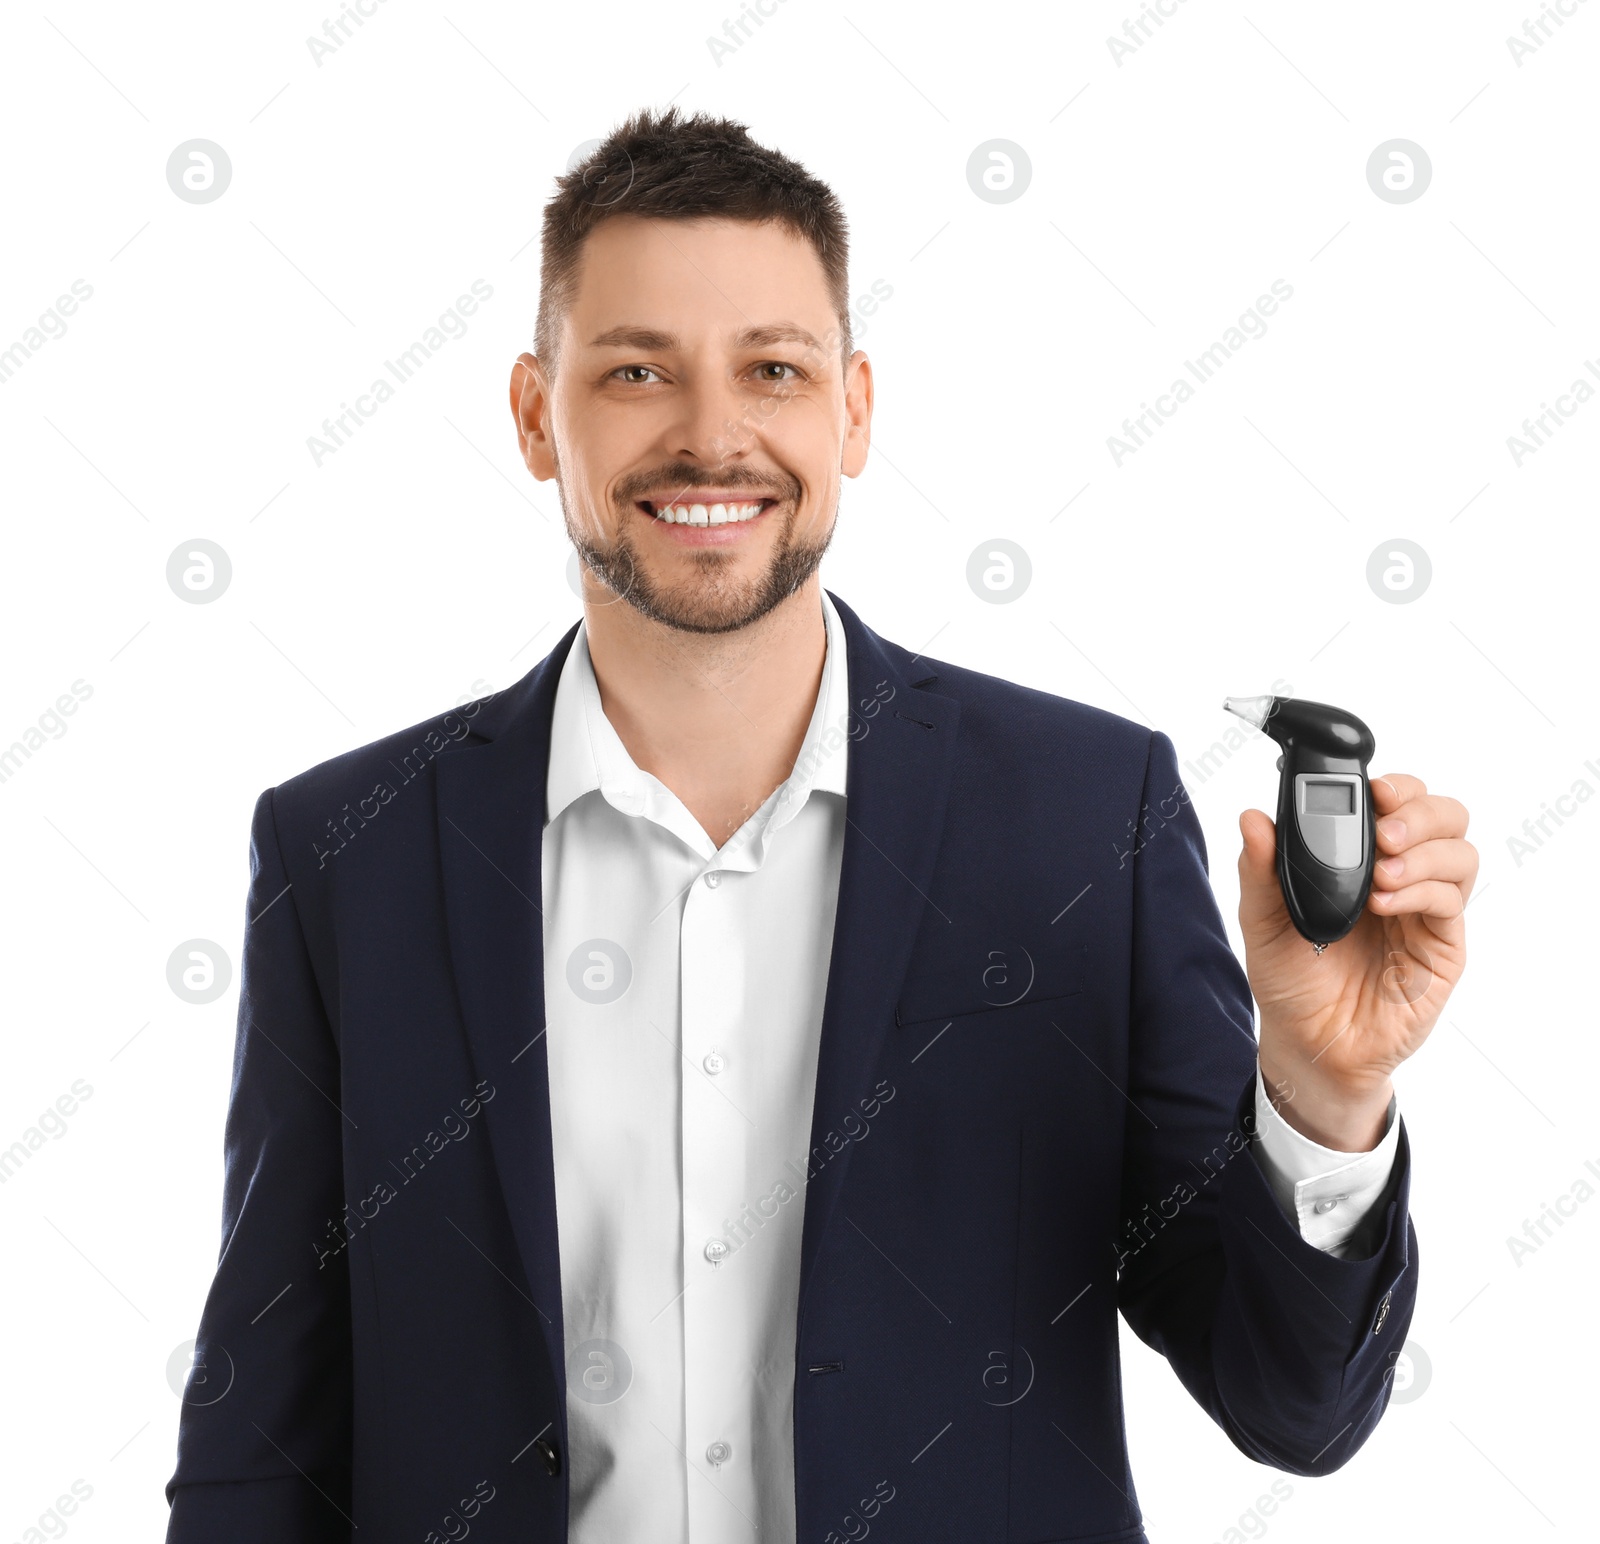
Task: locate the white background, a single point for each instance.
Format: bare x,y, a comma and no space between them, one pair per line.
420,565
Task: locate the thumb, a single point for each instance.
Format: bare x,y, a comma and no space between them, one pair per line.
1260,899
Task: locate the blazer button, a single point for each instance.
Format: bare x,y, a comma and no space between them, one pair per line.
547,1451
1383,1313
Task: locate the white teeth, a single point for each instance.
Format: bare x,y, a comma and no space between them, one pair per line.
713,514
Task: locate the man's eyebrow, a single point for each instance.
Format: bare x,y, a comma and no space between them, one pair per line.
629,335
774,332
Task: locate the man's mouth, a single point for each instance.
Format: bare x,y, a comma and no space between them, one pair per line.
682,511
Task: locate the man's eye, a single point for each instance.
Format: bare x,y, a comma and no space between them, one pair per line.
636,374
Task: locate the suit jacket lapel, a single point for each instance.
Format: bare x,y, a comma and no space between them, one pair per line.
491,807
896,790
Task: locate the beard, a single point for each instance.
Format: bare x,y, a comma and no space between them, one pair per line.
712,600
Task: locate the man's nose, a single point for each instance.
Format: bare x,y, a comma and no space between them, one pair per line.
715,423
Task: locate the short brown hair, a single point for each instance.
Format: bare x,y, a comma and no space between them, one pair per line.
666,167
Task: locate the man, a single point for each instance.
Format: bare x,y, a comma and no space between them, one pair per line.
725,1085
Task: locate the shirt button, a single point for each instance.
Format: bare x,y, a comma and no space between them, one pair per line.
714,1062
713,879
718,1453
716,1250
1383,1312
1326,1206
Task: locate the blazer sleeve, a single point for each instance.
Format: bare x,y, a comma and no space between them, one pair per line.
1289,1348
264,1433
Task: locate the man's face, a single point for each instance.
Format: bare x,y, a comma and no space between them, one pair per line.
699,373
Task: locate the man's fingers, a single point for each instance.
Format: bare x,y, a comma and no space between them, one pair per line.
1393,789
1429,898
1260,899
1424,819
1450,858
1260,836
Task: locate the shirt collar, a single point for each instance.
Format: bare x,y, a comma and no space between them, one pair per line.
587,754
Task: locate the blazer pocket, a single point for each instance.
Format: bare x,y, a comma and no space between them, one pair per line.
984,980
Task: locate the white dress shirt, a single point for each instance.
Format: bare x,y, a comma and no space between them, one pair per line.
1332,1196
684,990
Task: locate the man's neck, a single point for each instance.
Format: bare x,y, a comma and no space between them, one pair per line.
718,717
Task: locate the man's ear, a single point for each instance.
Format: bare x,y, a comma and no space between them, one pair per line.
858,414
530,405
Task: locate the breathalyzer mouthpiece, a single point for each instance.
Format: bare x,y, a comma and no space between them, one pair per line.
1253,710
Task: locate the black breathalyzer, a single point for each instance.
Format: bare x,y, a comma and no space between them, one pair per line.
1326,841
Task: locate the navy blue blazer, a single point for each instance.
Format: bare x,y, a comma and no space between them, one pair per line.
1033,1110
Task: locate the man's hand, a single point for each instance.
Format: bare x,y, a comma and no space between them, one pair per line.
1335,1025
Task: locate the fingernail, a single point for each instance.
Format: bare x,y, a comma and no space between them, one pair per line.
1394,830
1393,868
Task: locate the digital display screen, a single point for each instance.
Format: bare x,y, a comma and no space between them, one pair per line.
1330,798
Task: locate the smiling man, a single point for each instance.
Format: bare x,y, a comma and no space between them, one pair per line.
727,1085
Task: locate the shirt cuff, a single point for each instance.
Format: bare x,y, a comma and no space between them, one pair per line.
1329,1194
